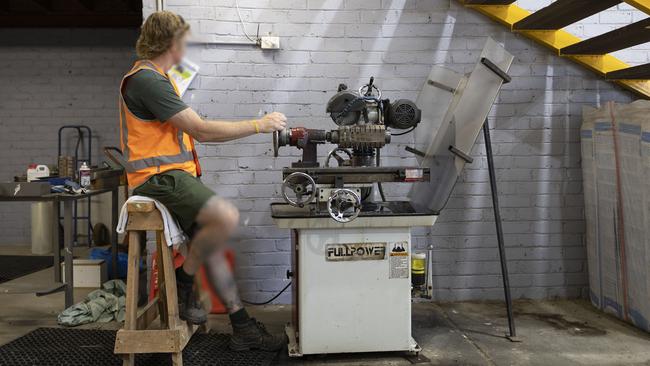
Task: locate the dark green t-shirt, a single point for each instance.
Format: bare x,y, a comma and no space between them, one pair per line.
149,96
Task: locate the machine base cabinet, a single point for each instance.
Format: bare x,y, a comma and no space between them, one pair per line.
352,289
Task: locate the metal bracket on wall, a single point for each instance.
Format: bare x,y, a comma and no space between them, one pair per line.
461,154
442,86
496,69
415,151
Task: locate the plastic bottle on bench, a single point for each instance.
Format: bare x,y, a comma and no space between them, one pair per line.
84,175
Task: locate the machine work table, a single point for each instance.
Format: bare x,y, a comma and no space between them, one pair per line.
67,200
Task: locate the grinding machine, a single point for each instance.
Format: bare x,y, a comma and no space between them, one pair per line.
351,246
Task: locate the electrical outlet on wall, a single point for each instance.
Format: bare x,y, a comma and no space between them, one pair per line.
270,42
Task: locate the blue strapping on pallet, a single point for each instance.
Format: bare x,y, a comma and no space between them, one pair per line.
595,300
638,319
587,133
611,303
628,128
603,126
645,136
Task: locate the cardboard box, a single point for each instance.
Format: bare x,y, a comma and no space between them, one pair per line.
87,273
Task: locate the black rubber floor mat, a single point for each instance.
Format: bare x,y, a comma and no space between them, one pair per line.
82,347
14,266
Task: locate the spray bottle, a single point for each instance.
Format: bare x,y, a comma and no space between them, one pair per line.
84,175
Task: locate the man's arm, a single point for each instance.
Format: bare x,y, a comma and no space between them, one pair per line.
201,130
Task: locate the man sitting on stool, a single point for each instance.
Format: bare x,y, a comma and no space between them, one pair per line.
157,132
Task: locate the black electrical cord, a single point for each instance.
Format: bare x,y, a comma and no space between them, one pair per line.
403,133
270,300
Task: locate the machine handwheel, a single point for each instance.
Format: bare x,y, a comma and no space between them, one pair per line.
344,205
334,154
301,184
364,89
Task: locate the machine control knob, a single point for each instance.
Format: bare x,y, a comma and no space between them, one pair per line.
344,205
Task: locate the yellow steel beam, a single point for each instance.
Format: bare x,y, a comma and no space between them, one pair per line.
558,39
555,40
643,5
504,14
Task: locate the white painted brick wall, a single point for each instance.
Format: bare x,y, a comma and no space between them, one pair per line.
325,42
52,78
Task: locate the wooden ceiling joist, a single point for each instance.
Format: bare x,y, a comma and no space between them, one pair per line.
545,26
45,4
562,13
641,72
71,13
618,39
88,4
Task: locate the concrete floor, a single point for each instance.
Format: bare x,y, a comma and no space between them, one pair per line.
552,332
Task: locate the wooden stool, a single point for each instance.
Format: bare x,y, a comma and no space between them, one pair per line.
174,333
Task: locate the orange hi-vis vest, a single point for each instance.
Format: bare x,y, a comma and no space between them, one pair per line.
150,147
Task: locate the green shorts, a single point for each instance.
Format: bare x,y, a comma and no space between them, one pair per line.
183,194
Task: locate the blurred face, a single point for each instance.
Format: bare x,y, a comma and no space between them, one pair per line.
178,48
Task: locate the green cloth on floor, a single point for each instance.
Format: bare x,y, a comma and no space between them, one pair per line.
103,306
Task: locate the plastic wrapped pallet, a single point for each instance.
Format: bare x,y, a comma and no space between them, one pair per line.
606,249
630,121
645,154
591,207
616,161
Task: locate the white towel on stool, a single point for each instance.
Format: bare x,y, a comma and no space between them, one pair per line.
174,236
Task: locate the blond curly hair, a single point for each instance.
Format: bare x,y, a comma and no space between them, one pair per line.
158,33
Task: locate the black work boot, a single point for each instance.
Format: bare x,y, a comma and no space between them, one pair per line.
189,308
253,335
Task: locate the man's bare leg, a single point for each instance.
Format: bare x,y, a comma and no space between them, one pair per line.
216,221
248,333
223,281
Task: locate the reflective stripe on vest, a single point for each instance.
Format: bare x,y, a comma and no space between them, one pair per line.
132,166
135,166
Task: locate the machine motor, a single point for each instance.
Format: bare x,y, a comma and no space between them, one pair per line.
364,121
366,106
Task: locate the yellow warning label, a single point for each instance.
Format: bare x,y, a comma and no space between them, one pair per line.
399,260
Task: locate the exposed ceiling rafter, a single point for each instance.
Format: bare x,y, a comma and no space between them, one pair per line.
45,4
70,13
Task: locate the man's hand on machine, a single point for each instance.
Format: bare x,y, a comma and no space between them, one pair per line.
272,122
202,130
